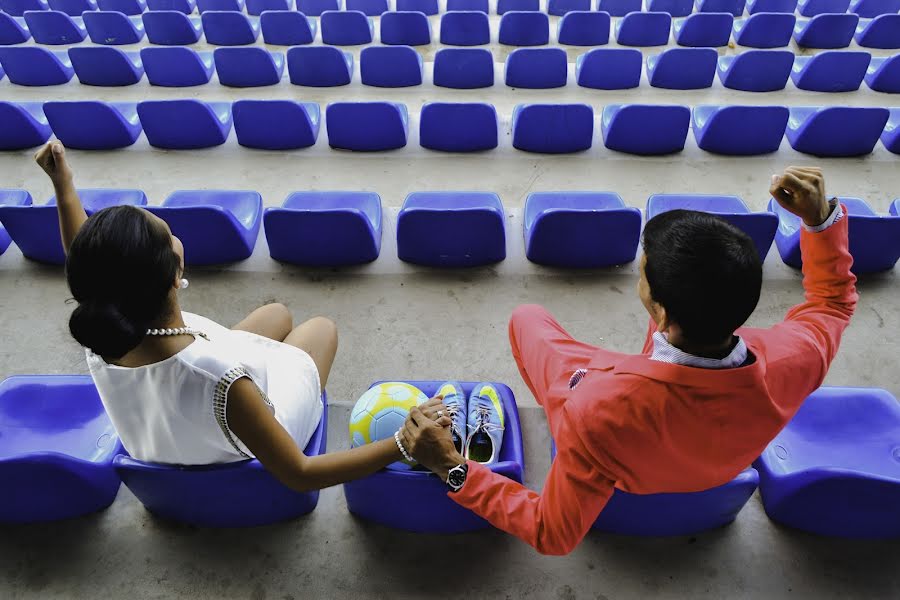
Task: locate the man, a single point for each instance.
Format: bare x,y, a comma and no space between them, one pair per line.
696,407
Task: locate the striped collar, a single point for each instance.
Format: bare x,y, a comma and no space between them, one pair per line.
665,352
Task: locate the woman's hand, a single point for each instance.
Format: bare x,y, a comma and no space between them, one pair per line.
52,159
434,408
801,190
428,441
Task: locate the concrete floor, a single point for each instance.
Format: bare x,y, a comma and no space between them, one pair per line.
399,321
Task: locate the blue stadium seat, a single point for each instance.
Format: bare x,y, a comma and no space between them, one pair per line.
23,125
756,70
505,6
740,130
185,124
406,28
874,239
609,68
171,28
319,66
182,6
241,494
833,470
315,8
35,66
683,68
584,28
463,68
765,30
369,498
220,5
771,6
113,28
92,125
325,229
676,8
645,129
35,229
106,66
759,226
891,136
619,8
580,229
451,229
346,28
869,9
428,7
229,28
131,8
55,28
735,7
248,67
215,226
17,8
275,124
880,32
57,447
831,71
73,8
287,28
13,30
366,126
465,28
826,31
704,30
835,130
10,197
458,127
812,8
883,75
177,66
644,29
536,68
552,128
560,7
371,8
479,5
524,28
390,66
257,7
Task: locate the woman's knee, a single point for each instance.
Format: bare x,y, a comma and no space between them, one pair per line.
326,329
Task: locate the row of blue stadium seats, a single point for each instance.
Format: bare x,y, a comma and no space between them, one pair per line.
401,66
641,129
561,229
457,28
61,454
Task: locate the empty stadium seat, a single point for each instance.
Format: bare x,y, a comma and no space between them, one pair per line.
683,68
883,75
73,8
113,28
835,130
812,8
704,30
756,70
880,32
390,66
479,5
5,240
552,128
759,226
505,6
248,67
229,28
131,8
55,28
645,129
23,125
869,9
644,29
240,494
826,31
371,8
735,7
366,126
275,124
584,28
185,124
874,239
220,5
17,8
215,226
346,28
428,7
580,229
465,28
35,229
315,8
609,68
831,71
287,28
458,127
257,7
891,137
92,125
10,197
13,30
765,30
536,68
171,28
619,8
325,229
319,66
524,28
463,68
57,446
35,66
471,226
406,28
177,66
833,469
561,7
676,8
106,66
182,6
771,6
740,130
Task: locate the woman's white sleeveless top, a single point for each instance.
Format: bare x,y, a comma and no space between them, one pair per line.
174,411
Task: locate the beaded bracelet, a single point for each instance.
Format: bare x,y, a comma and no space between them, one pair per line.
403,451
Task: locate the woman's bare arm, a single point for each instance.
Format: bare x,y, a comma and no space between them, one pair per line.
52,159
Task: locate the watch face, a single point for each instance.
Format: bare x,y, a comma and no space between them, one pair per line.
456,477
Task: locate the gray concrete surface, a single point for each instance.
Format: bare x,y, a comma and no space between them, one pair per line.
399,321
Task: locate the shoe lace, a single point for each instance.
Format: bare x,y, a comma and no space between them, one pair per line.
452,412
482,416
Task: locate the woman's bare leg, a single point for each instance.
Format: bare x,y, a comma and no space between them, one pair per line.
273,321
317,337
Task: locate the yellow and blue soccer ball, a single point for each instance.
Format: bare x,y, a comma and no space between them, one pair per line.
381,411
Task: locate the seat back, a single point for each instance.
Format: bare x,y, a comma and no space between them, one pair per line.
676,8
756,70
248,67
735,7
584,28
176,66
390,66
408,28
880,32
683,68
766,30
883,75
184,124
465,28
524,28
228,28
112,28
257,7
463,68
106,66
505,6
170,28
458,127
54,28
91,125
619,8
609,68
22,125
869,9
345,28
275,124
220,5
371,8
771,6
366,126
831,71
11,31
812,8
645,129
17,8
131,8
35,66
428,7
705,30
536,68
740,130
827,31
182,6
73,8
836,130
644,29
553,128
286,28
479,5
315,8
319,66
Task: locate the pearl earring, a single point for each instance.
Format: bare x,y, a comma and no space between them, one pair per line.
184,284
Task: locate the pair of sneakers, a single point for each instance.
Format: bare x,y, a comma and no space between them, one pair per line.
477,422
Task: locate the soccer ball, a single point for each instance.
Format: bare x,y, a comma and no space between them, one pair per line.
381,411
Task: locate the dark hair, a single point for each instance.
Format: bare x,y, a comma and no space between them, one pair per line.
120,270
704,271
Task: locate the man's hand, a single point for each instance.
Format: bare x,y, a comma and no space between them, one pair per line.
801,190
429,441
52,159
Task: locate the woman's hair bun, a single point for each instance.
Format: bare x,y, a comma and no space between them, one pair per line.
102,328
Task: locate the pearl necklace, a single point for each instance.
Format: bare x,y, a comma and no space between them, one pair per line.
178,331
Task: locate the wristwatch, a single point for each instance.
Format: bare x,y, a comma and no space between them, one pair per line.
456,478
